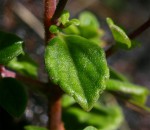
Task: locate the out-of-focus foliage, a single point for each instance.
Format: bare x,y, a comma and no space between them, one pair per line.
88,28
13,96
10,47
103,117
24,65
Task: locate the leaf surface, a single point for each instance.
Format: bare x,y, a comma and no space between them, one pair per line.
13,96
10,47
78,66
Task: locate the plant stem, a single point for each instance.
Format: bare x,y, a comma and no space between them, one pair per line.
49,9
51,15
126,101
140,29
32,83
55,110
59,9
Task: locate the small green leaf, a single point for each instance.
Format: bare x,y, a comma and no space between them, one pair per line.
24,65
54,29
137,93
30,127
88,19
89,25
101,117
72,22
90,128
119,35
13,96
64,18
72,29
10,47
78,66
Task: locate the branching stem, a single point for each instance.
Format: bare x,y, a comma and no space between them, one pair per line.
140,29
59,9
32,83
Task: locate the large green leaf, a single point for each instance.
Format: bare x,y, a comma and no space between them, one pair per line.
101,117
24,65
137,93
13,96
30,127
10,47
78,66
119,35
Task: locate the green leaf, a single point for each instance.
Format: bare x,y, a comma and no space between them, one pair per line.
88,32
78,66
24,65
64,18
10,47
72,22
13,96
90,128
30,127
88,19
54,29
137,93
101,117
119,35
89,25
72,29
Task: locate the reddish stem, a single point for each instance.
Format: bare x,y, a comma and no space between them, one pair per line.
33,83
50,7
51,15
55,109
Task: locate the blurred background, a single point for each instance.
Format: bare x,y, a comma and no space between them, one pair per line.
25,18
